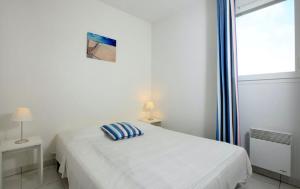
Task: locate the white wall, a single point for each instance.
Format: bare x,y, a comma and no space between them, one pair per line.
274,105
43,65
184,69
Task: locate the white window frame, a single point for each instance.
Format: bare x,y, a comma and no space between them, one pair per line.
283,75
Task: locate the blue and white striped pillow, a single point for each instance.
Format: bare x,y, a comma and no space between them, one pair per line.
122,130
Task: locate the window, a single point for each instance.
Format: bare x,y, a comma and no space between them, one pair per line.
266,40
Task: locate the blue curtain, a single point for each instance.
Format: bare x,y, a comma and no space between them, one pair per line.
228,129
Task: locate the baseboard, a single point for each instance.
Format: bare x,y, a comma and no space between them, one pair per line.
273,175
27,168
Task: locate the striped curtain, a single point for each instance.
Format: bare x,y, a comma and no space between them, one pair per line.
228,128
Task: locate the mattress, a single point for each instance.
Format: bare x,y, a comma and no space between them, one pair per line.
160,159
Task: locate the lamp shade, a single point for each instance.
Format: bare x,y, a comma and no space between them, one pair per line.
149,105
22,114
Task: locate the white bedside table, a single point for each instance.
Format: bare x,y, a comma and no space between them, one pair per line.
156,122
34,143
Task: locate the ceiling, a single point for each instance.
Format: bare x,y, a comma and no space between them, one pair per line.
149,10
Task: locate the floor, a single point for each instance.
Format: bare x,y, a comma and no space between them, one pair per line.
30,180
261,182
52,180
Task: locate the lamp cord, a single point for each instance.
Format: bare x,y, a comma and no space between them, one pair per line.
21,178
279,181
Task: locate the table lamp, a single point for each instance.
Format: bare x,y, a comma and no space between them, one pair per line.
21,115
148,107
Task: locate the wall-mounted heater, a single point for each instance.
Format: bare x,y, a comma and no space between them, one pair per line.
271,150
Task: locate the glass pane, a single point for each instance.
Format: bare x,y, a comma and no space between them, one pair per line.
266,40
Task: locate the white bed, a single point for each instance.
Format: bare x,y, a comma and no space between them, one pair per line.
160,159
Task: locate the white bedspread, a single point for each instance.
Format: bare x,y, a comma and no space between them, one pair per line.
160,159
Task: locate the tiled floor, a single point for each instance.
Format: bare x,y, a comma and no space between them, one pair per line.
262,182
52,180
30,180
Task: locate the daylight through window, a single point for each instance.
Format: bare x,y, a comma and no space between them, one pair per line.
266,40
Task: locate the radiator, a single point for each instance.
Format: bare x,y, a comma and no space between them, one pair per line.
271,150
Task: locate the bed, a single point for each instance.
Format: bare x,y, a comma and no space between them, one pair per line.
160,159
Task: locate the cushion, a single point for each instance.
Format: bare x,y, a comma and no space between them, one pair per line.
121,130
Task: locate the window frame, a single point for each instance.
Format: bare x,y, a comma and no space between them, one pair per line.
281,75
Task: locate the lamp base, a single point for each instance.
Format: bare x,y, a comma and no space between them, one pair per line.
21,141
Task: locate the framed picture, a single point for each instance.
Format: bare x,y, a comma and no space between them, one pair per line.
101,48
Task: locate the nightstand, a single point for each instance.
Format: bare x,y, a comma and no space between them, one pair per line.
156,122
33,143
